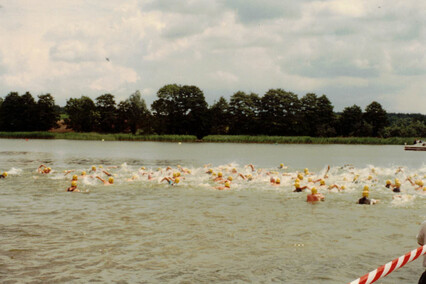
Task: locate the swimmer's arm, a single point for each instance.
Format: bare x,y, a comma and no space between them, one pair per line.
328,169
421,235
107,173
101,179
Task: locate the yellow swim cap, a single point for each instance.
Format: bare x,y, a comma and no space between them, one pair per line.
297,180
230,178
306,170
220,174
227,184
277,181
177,180
73,183
178,174
281,165
143,168
5,174
49,169
83,173
365,193
296,185
322,182
370,177
310,179
74,177
111,180
388,182
314,190
343,187
300,176
174,175
210,171
93,168
366,188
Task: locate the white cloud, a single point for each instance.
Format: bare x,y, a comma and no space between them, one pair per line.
354,52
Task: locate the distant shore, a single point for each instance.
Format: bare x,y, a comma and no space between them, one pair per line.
211,138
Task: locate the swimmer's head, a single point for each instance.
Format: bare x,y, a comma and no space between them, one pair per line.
210,171
5,174
297,180
73,183
277,181
227,184
234,171
175,175
220,174
310,179
314,190
300,176
388,182
322,182
230,178
281,165
365,193
111,180
101,166
74,177
83,173
177,180
306,171
370,177
366,188
143,168
178,174
343,187
249,177
93,168
296,185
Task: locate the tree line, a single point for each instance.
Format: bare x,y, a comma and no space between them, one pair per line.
183,110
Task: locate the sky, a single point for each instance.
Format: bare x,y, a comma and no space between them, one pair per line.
354,52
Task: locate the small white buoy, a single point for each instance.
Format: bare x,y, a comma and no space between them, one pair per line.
103,140
180,143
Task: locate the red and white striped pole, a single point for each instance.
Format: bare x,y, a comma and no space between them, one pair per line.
389,267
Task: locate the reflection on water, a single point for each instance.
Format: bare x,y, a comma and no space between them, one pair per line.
144,230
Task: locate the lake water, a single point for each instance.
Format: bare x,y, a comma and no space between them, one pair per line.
142,230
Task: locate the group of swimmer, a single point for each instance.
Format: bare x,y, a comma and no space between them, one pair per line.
299,181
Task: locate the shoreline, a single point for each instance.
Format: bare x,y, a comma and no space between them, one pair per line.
210,138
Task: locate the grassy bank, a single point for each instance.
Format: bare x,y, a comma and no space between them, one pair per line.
210,138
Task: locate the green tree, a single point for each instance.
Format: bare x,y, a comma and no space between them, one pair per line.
219,114
133,115
280,114
181,110
350,121
326,118
48,114
244,113
18,113
82,114
107,111
376,116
